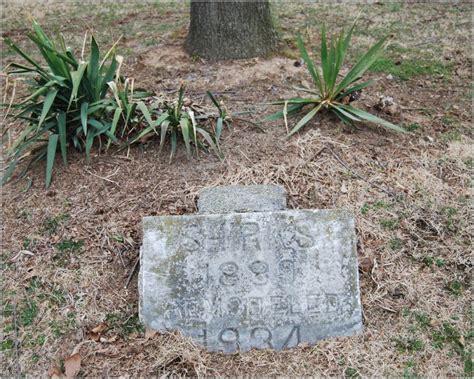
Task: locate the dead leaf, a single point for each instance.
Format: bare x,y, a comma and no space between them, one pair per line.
72,365
366,264
100,328
97,331
55,372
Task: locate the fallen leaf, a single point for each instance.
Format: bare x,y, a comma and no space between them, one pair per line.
55,372
100,328
366,264
72,365
97,331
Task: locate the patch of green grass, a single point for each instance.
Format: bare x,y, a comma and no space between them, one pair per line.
406,312
449,335
395,244
423,319
28,313
69,245
31,341
398,49
26,243
429,261
440,262
65,248
394,7
453,135
7,327
118,238
408,344
468,366
57,297
60,327
449,120
6,263
437,339
449,211
455,287
390,224
412,127
124,324
351,372
7,310
34,284
7,344
452,221
380,204
410,68
52,223
469,163
150,42
410,370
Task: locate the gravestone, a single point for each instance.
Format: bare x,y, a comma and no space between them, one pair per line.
248,278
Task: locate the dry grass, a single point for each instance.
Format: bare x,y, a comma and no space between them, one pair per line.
67,252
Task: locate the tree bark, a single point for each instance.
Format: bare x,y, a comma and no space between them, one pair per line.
230,29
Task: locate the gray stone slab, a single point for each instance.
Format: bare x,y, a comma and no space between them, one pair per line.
253,280
238,198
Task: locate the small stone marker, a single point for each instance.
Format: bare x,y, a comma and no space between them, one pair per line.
229,199
236,281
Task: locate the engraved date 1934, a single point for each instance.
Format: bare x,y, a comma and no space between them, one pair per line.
260,337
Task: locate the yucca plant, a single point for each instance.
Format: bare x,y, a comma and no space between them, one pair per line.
222,118
68,103
126,101
178,121
331,94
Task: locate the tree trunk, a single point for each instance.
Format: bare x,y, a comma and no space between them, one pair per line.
230,29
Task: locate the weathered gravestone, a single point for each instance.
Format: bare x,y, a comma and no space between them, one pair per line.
234,281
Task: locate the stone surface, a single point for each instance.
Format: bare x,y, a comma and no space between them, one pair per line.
243,280
254,198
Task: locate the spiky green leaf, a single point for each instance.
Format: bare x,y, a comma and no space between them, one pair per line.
173,143
371,118
290,111
51,154
305,120
309,63
62,135
362,65
164,129
355,88
115,120
185,132
48,102
146,113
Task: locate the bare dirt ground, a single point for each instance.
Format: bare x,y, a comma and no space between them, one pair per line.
67,252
